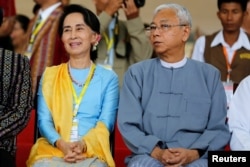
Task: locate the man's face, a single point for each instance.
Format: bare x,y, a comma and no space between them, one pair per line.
169,35
100,4
231,16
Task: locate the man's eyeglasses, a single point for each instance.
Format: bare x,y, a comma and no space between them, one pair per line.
163,27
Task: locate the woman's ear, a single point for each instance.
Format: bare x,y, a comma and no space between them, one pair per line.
98,37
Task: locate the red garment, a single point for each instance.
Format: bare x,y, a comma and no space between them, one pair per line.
8,7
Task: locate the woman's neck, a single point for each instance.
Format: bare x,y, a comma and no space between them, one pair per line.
80,63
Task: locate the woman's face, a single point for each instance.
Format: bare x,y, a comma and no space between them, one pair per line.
77,35
18,34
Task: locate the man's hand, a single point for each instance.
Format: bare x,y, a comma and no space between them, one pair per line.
182,156
130,9
162,155
174,157
113,6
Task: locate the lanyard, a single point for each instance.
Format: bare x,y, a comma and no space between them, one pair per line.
227,62
79,98
35,31
114,28
108,41
38,25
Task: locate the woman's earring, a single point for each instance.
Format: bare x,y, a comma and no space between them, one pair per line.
97,42
95,46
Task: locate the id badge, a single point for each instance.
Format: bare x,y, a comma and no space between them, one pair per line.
229,87
74,131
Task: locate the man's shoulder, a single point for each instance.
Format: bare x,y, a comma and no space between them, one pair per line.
144,63
202,65
248,35
58,11
143,66
211,36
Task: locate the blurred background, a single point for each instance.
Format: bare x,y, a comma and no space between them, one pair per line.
203,11
203,14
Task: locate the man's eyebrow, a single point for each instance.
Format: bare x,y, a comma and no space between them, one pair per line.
161,21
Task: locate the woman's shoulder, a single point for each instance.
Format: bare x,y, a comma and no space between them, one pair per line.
105,76
105,72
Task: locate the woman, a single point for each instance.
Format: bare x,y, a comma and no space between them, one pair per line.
19,33
77,101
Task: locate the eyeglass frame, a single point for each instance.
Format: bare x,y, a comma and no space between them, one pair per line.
163,27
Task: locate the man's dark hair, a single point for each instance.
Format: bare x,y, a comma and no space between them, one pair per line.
1,16
36,8
23,20
243,3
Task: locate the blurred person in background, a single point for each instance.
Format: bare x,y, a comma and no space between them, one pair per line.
45,47
246,20
123,42
19,33
229,48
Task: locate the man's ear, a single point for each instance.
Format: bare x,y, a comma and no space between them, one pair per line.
246,13
218,15
186,34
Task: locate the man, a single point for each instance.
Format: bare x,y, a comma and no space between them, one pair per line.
123,42
229,49
239,117
246,20
15,101
172,110
45,47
